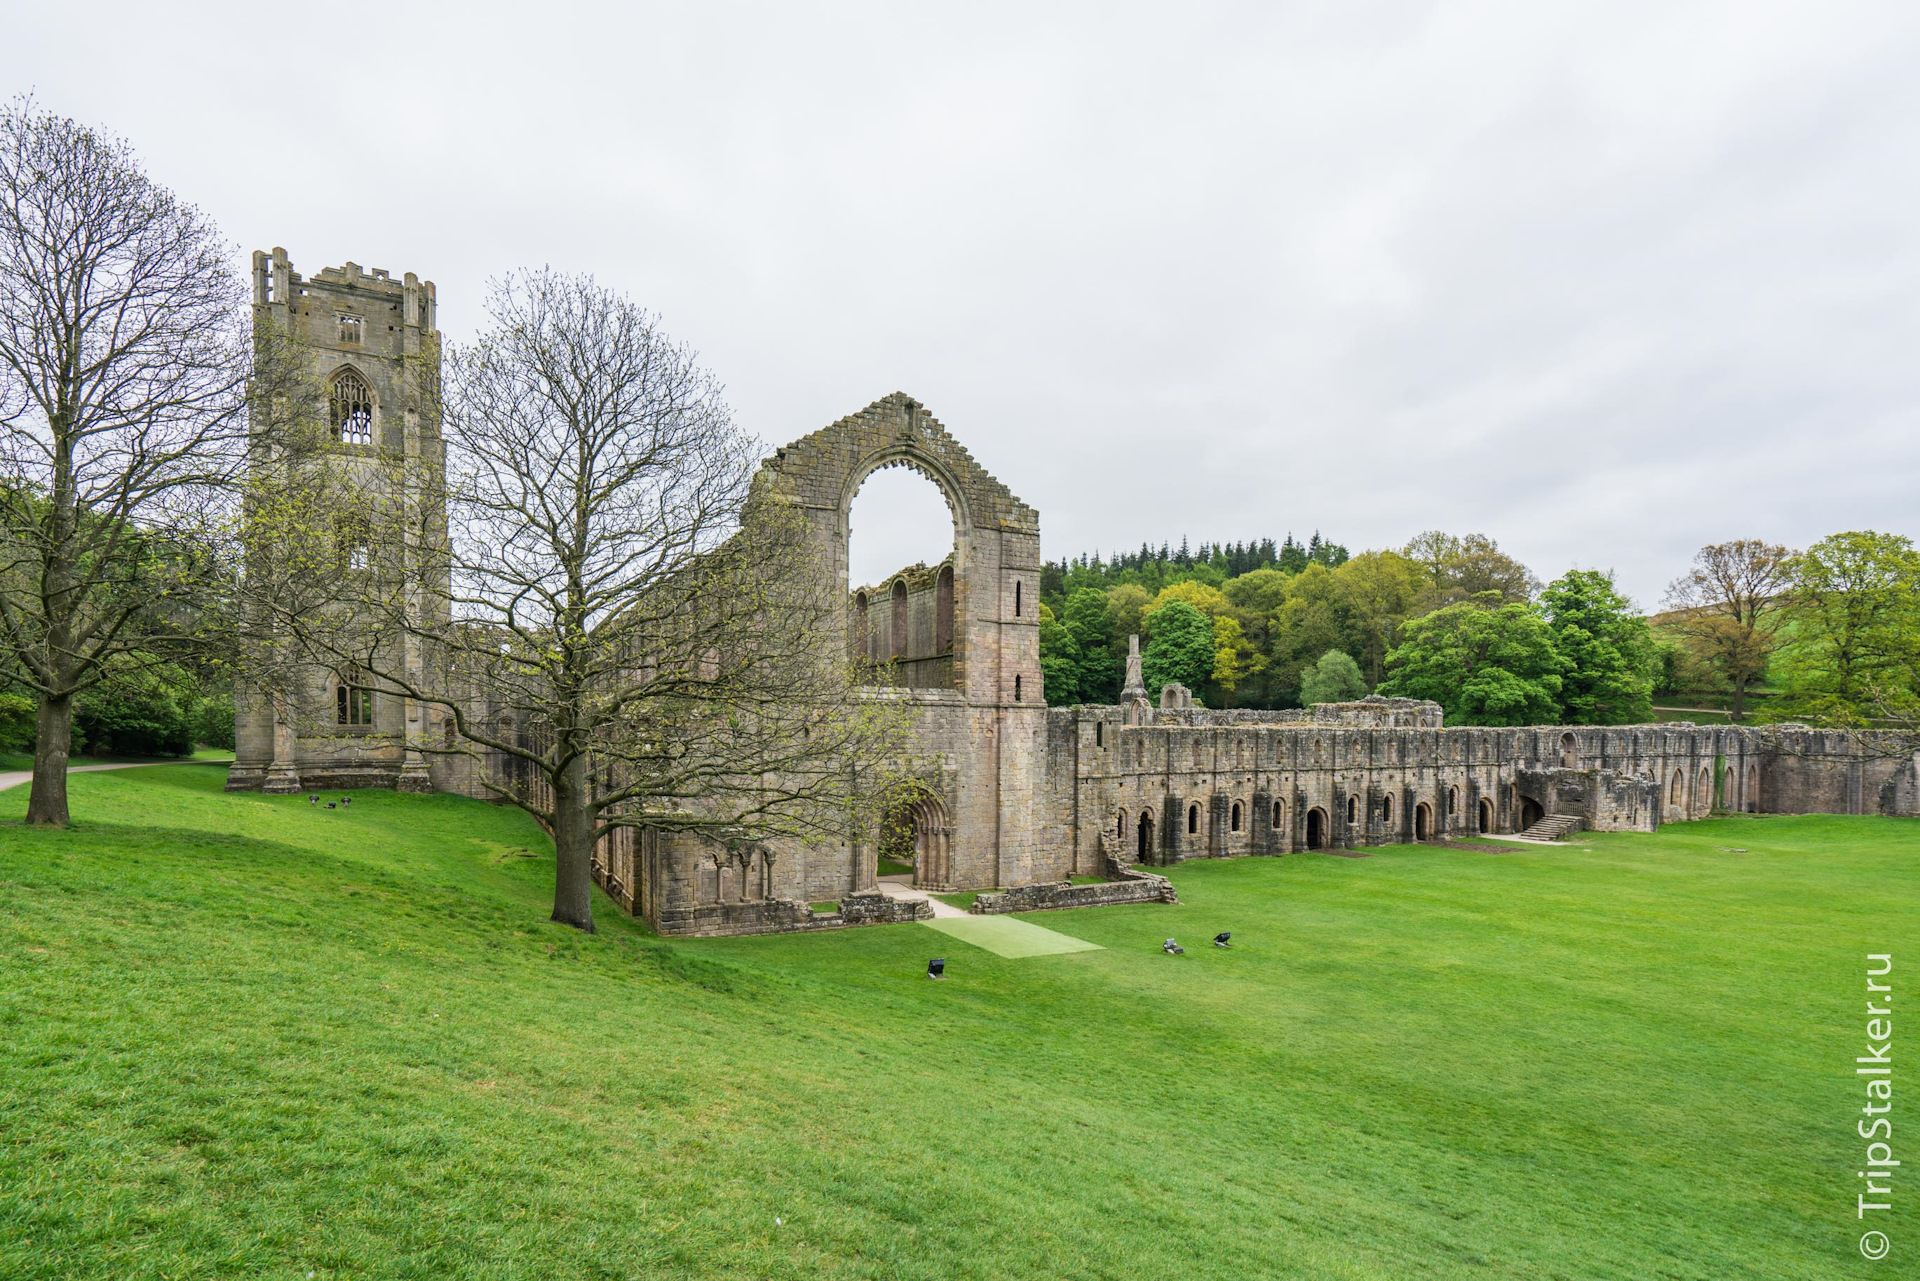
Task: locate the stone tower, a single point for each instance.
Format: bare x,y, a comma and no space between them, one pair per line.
371,351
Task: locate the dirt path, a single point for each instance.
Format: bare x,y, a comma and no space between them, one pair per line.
15,777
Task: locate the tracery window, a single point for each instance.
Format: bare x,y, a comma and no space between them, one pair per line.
352,410
352,701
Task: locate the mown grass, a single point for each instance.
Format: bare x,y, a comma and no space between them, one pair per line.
239,1037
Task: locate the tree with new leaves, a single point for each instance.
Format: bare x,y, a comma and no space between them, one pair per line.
619,608
1465,568
1854,660
123,365
1059,660
1180,648
1484,662
1608,649
1728,608
1333,678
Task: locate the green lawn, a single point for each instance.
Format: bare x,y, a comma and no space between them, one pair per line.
241,1038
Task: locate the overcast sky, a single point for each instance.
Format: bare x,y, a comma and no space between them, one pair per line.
1605,281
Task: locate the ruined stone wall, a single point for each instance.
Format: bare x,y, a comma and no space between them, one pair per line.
1221,784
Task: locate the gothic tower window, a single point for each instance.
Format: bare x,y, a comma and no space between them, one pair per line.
352,410
349,327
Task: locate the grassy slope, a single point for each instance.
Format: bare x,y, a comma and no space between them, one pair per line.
238,1037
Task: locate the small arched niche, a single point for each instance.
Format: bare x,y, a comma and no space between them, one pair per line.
901,567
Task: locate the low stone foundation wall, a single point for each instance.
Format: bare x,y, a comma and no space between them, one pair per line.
1132,887
789,916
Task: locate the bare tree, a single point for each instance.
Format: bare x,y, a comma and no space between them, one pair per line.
618,610
1728,608
122,362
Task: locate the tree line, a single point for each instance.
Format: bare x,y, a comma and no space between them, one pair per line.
1832,631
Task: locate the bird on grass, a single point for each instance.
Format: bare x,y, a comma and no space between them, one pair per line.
1172,948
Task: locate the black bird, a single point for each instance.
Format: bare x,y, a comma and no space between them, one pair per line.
1220,939
937,968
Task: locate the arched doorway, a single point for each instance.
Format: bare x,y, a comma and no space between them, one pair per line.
1486,815
1316,828
916,840
1144,833
1753,789
1423,822
1569,751
1531,812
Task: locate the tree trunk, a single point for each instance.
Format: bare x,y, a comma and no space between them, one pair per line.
47,804
573,848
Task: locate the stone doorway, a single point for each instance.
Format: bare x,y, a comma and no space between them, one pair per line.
1531,812
1144,835
916,840
1316,828
1423,822
1486,815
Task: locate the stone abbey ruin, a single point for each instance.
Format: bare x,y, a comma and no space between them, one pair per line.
1011,796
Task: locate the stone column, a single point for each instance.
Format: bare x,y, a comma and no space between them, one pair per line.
283,772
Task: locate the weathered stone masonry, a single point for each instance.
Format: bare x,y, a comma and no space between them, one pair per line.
1011,796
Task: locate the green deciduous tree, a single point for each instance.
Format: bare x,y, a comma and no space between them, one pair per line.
1086,620
1855,614
1333,678
1485,664
1181,648
1609,650
1377,592
1059,660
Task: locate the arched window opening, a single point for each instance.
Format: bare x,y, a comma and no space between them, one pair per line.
1453,800
1353,809
1193,819
1143,834
1422,822
1386,807
860,641
1016,689
1279,812
1675,788
1753,789
1486,815
1099,733
1569,751
352,701
900,553
943,612
897,632
1120,825
1235,822
352,406
1703,795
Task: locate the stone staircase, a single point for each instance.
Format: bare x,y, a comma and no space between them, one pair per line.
1554,827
